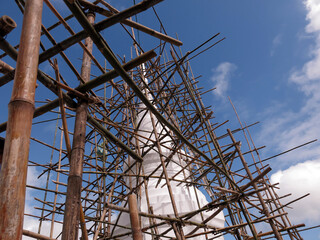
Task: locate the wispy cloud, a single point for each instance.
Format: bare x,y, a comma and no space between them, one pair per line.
221,77
275,43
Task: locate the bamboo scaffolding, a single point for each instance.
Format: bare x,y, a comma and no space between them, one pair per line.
100,179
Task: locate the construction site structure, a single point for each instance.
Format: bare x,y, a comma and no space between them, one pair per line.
147,158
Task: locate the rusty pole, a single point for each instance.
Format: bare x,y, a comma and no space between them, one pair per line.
73,203
134,217
21,107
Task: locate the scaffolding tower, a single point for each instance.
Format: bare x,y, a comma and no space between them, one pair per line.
147,158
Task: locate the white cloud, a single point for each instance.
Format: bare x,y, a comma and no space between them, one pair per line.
32,177
221,77
313,7
301,179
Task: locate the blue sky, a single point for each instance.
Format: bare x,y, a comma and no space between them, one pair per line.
269,65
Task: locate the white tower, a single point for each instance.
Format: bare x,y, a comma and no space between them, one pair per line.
187,198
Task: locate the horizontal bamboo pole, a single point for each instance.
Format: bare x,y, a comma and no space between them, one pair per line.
36,235
130,23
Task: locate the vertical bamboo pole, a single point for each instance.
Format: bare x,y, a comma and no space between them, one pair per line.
57,188
21,107
73,203
134,217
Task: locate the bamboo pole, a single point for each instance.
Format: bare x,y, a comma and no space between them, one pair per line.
72,209
134,217
5,67
62,109
73,204
57,187
36,235
21,107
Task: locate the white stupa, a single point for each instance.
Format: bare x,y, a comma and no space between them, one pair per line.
186,198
